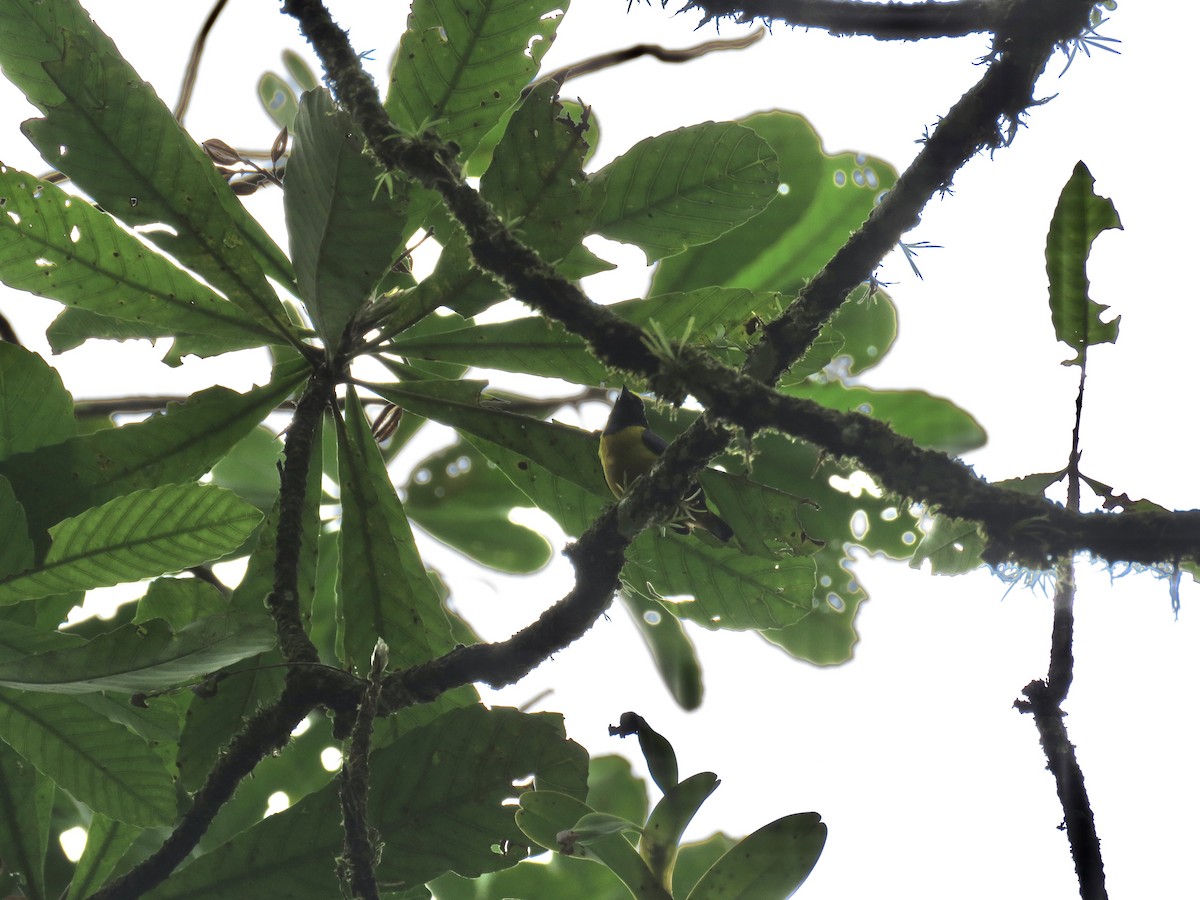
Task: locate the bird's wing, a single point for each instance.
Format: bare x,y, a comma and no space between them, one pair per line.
654,443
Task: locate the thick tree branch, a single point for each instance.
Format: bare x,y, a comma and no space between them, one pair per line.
357,863
284,599
885,21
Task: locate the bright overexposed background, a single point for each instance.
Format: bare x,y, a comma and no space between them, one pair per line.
931,783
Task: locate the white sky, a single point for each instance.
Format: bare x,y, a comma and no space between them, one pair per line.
932,785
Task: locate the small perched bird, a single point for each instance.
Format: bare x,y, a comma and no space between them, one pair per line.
628,448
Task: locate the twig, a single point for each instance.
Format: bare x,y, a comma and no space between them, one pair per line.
603,61
193,65
883,21
267,731
1044,699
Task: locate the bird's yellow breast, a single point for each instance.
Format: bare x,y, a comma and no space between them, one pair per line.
624,456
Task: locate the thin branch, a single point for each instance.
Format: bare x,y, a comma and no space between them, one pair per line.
266,732
1078,820
603,61
193,65
885,21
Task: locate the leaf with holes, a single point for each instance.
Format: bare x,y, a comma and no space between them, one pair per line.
61,247
826,199
110,133
1079,218
462,65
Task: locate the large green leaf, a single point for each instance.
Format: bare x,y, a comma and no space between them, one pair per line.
461,498
107,842
16,549
549,817
821,200
147,656
64,248
769,864
685,188
383,588
670,647
109,132
536,180
97,761
344,229
26,798
720,587
1080,216
145,533
438,803
930,421
462,65
64,479
35,408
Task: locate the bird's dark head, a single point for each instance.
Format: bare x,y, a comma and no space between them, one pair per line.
627,411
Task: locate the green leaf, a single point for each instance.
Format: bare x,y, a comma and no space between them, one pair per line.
82,472
278,99
672,650
438,802
695,859
931,421
613,788
461,66
383,588
142,534
106,844
300,71
35,408
536,180
100,763
793,238
769,864
720,587
109,132
250,468
64,248
685,188
562,877
460,497
26,798
866,326
142,657
16,549
344,229
547,817
180,602
672,814
1079,218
